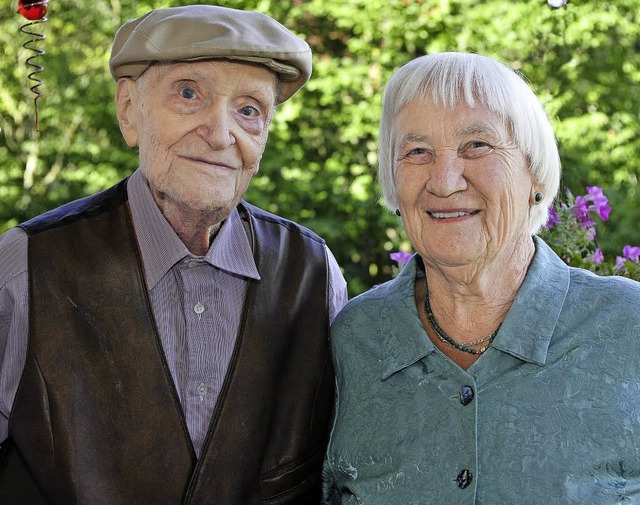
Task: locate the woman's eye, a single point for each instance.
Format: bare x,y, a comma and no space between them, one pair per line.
420,154
474,149
187,93
248,111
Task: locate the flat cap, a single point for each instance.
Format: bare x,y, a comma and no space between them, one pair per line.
198,32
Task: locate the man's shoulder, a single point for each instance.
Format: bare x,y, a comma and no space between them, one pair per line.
84,207
266,217
13,255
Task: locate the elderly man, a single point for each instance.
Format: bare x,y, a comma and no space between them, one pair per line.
165,342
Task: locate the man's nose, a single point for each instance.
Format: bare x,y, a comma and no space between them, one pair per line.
216,128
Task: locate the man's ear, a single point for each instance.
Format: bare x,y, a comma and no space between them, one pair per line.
126,93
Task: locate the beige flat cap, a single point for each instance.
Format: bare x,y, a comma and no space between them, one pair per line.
198,32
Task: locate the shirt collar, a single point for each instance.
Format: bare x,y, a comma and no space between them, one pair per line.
407,342
525,333
231,250
161,248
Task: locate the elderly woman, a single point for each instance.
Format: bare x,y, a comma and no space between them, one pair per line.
488,371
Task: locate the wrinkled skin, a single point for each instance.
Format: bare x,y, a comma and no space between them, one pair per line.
201,128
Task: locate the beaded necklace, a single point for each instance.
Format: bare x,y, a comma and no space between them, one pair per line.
448,340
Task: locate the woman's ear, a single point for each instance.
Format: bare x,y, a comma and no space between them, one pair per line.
126,92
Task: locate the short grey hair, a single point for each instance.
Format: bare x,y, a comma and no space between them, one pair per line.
446,78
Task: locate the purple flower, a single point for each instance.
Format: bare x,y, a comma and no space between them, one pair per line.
582,209
582,212
597,257
553,218
401,257
631,253
600,202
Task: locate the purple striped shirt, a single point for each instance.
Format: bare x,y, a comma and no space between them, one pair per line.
197,302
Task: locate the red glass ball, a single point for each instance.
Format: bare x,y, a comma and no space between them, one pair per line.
32,9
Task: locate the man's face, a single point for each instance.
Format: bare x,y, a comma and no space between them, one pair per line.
201,129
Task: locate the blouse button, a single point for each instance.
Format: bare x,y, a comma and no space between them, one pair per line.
198,308
464,478
465,395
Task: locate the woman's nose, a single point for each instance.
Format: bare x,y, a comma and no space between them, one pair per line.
446,174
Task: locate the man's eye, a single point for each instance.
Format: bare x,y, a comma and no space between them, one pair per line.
248,111
474,149
187,93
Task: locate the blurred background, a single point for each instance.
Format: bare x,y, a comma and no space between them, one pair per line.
582,59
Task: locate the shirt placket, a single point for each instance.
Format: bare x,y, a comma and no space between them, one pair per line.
459,445
199,309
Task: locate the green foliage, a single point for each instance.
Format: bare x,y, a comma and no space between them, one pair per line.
319,168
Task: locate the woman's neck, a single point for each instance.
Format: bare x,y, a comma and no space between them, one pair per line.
469,303
479,292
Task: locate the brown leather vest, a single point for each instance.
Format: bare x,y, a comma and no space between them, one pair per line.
97,420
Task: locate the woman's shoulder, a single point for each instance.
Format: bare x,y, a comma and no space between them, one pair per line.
398,290
368,303
367,320
592,299
594,285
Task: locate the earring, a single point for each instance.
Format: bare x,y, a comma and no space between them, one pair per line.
398,212
538,197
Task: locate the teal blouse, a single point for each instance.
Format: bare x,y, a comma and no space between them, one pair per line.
550,414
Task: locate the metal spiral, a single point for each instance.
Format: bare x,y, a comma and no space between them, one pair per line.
37,37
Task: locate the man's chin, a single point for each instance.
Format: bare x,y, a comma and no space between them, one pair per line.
200,205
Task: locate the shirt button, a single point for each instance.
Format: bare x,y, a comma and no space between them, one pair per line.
198,308
465,395
202,389
464,478
192,263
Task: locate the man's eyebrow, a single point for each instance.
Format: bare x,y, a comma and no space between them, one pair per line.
266,91
184,72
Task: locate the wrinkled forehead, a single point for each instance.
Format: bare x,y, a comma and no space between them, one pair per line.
213,73
210,68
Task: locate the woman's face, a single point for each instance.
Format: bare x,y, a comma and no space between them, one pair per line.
463,186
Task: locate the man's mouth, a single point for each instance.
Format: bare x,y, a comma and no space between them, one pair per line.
208,162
